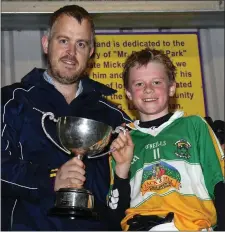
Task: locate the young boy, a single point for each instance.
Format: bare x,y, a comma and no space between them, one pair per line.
174,163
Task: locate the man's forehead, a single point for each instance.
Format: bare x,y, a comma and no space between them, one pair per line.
67,21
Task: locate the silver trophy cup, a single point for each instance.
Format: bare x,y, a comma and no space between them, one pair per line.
80,137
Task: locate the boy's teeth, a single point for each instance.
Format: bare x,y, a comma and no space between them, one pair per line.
149,99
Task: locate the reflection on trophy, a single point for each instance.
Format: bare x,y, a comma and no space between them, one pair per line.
81,137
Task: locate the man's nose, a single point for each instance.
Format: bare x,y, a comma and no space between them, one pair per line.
71,50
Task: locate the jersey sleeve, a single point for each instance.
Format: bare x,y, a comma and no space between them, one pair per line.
118,199
211,157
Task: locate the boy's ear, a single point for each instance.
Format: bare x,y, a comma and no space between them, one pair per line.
128,94
44,42
172,89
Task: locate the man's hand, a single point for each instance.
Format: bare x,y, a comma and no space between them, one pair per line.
123,153
70,174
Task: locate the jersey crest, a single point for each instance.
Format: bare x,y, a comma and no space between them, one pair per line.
182,149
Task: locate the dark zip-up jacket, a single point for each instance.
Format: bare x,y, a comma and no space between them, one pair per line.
29,157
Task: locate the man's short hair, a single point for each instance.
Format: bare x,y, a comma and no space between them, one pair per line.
75,11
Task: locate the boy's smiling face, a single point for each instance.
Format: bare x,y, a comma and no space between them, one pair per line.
149,89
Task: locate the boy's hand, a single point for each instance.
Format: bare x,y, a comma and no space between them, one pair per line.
123,153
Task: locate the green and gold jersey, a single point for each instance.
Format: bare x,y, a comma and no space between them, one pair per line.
175,169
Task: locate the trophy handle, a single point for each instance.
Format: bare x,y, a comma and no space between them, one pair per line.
51,117
117,130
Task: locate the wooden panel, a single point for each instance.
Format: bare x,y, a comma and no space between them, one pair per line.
119,14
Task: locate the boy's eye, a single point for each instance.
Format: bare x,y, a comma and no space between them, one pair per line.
139,84
156,82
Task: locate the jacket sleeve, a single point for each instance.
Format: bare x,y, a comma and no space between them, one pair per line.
20,178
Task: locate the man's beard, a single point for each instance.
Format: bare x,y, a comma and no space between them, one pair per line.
62,78
66,80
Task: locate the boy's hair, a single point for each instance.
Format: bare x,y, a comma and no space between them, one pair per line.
145,56
76,12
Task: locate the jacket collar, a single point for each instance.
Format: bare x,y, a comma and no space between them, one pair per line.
35,77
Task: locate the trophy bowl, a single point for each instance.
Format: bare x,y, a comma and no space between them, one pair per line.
80,137
83,136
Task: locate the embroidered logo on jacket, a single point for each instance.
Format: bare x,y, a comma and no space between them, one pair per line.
113,199
53,172
183,147
160,176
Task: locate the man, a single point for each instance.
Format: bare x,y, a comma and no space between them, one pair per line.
33,168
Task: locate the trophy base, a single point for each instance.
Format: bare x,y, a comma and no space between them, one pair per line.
74,212
74,203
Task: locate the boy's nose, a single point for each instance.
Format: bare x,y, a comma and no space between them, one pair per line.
148,89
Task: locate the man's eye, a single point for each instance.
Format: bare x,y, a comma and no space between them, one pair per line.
81,44
63,41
